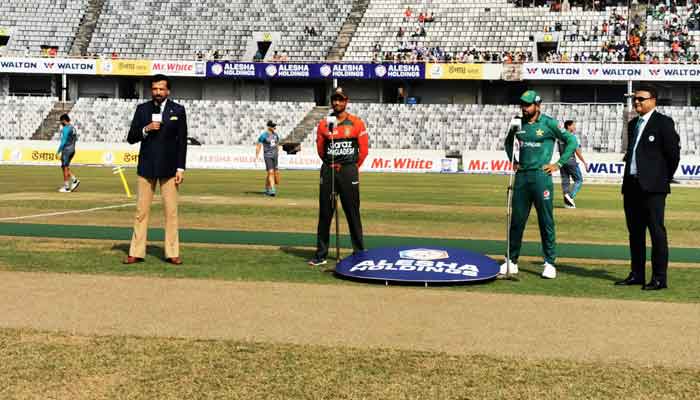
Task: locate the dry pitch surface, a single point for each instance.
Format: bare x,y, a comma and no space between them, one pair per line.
376,317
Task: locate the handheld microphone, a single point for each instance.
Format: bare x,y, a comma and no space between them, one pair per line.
516,122
331,120
156,116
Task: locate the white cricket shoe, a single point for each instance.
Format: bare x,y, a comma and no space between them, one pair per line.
569,201
513,268
64,189
74,185
549,271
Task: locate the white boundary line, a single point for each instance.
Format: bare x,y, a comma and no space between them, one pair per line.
66,212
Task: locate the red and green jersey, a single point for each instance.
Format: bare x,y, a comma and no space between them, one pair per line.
347,144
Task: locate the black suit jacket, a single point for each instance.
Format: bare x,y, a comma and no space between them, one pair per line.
164,151
658,154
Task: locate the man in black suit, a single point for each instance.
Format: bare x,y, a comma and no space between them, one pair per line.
653,154
161,127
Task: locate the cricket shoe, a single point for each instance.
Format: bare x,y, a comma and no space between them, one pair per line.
549,271
316,261
64,189
569,201
74,185
504,268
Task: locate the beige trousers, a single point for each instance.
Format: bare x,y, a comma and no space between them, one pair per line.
168,191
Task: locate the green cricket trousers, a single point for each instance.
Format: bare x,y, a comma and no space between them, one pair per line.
533,187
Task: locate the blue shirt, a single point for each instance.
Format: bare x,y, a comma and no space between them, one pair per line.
270,141
68,139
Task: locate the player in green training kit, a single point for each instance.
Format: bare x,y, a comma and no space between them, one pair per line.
537,137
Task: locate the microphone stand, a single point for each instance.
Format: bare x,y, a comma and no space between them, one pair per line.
334,195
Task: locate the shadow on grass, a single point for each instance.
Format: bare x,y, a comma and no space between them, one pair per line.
297,252
153,251
599,273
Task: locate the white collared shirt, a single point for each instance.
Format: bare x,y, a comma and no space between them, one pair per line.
633,162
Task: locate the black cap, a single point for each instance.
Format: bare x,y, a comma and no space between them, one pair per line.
339,94
271,124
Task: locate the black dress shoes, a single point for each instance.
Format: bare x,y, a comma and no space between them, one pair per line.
629,281
654,285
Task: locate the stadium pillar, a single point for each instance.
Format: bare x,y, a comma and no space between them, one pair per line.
64,86
4,85
629,96
53,85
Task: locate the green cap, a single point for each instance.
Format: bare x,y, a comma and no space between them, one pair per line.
530,97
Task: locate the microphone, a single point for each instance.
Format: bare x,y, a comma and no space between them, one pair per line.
516,122
331,120
156,116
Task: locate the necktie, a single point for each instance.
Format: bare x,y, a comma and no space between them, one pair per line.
640,121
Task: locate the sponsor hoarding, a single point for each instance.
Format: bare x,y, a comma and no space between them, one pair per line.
179,68
124,67
600,165
222,157
242,70
47,66
612,72
458,71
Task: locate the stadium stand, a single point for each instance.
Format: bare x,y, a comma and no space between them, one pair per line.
21,116
496,27
687,126
37,23
179,29
210,122
459,127
453,128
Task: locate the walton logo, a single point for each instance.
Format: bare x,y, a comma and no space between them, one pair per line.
424,254
532,71
593,71
48,65
654,72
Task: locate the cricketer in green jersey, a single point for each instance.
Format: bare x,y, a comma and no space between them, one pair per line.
536,137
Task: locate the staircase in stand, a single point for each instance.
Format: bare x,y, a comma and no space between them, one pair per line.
51,124
87,28
347,31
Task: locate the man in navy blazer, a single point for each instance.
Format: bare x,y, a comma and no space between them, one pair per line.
652,157
160,125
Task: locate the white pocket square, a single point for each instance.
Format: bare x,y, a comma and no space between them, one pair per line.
173,118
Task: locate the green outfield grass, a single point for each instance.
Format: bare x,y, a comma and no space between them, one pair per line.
422,205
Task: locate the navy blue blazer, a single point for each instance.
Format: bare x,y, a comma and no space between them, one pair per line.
164,151
658,153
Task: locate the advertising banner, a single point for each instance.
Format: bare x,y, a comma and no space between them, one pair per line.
230,69
457,71
600,165
45,155
222,157
179,68
124,67
47,66
418,264
612,72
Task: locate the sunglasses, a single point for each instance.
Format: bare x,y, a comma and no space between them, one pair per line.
641,99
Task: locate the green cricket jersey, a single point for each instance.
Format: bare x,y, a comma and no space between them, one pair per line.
537,142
